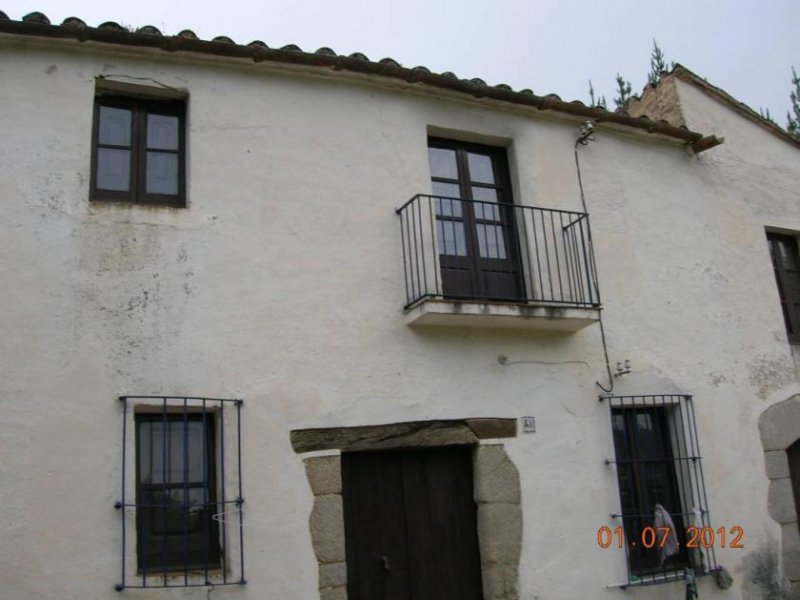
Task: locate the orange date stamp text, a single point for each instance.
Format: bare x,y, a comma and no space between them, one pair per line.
659,537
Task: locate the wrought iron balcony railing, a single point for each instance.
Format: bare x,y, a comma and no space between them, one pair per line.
473,250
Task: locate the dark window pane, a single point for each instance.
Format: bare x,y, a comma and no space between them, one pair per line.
161,452
480,168
491,241
788,252
162,173
451,238
172,512
448,208
176,492
485,211
784,254
115,126
448,190
162,132
646,472
443,163
113,169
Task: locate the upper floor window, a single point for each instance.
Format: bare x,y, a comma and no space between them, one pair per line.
139,150
786,263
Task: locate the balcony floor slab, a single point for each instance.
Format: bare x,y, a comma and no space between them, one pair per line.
533,317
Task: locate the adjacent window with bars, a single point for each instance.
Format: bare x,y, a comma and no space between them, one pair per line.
176,492
786,264
139,149
661,486
187,513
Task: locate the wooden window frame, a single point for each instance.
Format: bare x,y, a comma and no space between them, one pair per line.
140,107
788,300
512,263
210,547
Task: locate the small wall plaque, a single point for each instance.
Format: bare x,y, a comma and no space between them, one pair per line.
528,425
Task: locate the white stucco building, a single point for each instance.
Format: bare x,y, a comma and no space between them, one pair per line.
293,325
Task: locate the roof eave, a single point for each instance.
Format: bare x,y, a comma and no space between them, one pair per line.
354,64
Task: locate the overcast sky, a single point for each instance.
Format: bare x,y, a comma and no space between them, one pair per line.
746,47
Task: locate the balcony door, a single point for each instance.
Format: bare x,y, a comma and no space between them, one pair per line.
476,237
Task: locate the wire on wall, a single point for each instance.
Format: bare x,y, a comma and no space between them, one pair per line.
586,131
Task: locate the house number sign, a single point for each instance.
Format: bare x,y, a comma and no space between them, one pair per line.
528,425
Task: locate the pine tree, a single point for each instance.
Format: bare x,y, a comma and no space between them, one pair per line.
793,121
599,101
623,92
657,64
765,115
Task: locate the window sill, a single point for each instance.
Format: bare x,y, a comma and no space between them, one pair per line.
497,315
179,579
101,199
648,580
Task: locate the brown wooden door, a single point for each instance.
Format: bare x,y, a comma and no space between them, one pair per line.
410,525
476,235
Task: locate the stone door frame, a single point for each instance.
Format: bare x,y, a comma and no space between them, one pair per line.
779,426
496,492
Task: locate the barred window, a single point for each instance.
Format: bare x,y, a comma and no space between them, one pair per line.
187,516
176,492
661,487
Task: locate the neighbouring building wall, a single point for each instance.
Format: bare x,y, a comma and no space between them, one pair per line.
760,171
282,284
659,102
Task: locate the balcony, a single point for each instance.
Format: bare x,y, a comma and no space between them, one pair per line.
473,263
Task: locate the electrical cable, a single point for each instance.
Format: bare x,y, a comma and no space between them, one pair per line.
586,136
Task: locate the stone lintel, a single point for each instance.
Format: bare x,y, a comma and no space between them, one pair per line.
402,435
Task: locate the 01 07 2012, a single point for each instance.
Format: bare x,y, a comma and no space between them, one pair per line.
657,537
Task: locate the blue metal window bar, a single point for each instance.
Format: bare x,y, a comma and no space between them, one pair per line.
658,461
183,557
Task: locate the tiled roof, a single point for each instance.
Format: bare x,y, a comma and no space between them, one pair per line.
37,24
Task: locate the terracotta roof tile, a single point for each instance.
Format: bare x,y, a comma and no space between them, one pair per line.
37,24
36,17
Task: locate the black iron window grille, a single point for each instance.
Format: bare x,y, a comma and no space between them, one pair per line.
664,508
186,513
476,250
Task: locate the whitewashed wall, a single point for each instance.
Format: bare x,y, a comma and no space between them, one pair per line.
282,284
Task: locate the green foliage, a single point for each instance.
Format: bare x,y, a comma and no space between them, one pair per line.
765,115
599,101
623,92
793,116
658,64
